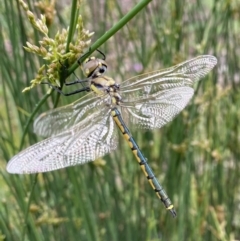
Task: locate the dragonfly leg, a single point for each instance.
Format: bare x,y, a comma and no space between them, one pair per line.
76,82
86,54
67,94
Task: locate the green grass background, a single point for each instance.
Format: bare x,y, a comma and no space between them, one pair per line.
195,157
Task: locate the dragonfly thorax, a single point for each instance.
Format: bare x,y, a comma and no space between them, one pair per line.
103,85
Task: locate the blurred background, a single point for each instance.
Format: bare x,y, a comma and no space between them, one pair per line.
195,157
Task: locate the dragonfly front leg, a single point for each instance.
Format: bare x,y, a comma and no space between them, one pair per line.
71,93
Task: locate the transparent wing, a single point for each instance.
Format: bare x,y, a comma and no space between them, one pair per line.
91,138
60,119
151,100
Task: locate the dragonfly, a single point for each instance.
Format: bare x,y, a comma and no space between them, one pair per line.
85,130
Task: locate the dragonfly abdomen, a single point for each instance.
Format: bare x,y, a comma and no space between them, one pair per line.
143,162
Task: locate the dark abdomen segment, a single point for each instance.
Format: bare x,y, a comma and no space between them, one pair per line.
143,162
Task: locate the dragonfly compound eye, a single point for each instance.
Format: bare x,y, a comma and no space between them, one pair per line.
102,69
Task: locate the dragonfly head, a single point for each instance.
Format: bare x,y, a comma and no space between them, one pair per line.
94,67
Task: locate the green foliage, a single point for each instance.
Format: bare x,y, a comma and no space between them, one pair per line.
195,157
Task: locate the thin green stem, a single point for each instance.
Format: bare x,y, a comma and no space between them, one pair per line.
72,28
35,178
121,23
72,24
21,145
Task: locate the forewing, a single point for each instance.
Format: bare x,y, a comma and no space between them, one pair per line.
60,119
86,141
154,99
